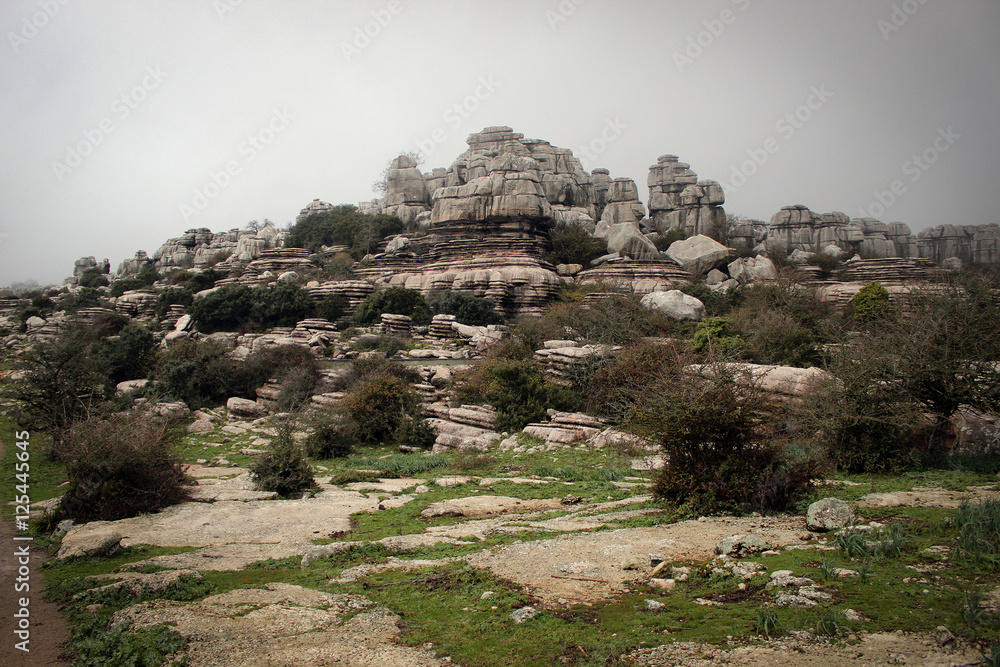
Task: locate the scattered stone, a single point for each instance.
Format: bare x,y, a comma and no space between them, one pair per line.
653,605
829,514
665,584
739,546
523,614
243,408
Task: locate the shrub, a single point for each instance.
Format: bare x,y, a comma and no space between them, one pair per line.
202,373
717,303
871,304
93,277
719,456
173,296
331,308
867,424
716,335
386,344
618,320
665,239
84,297
394,300
129,355
516,388
611,385
240,308
775,337
364,369
467,308
63,383
571,244
344,225
118,468
414,433
377,405
333,436
284,468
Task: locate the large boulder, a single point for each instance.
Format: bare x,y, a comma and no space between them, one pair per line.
675,304
829,514
698,254
628,241
243,408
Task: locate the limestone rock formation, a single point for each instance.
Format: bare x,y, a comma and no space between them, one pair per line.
201,248
698,254
623,205
406,191
678,200
675,304
972,244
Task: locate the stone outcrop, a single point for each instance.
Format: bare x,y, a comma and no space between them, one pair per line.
201,248
678,200
638,277
972,244
623,205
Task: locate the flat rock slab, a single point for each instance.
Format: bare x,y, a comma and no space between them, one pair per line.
476,506
282,624
872,650
588,567
928,497
386,485
200,471
238,533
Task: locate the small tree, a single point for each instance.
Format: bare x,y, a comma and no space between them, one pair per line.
394,300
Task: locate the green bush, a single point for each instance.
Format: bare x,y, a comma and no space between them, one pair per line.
284,468
516,389
571,244
377,405
717,303
611,385
344,225
84,297
130,355
118,468
332,308
716,335
617,320
720,457
414,433
467,308
775,337
333,436
394,300
871,304
93,277
203,374
240,308
665,239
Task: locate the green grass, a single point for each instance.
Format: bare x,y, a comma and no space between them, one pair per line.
45,475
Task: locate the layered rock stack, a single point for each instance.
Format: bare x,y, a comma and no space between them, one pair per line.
678,200
798,228
396,325
352,291
275,262
488,235
406,191
137,304
970,244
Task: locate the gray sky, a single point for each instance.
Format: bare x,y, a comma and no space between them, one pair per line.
126,122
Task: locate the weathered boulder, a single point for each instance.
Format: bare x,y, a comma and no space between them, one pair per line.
76,544
829,514
628,241
698,254
675,304
243,408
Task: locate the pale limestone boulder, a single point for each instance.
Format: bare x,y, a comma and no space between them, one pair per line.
698,254
242,408
829,514
675,304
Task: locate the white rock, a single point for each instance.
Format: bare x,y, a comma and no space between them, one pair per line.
675,304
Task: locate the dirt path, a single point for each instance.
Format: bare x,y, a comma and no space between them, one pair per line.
48,628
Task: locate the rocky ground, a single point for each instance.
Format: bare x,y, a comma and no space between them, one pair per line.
561,551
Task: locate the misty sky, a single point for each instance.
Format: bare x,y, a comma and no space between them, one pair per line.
126,122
